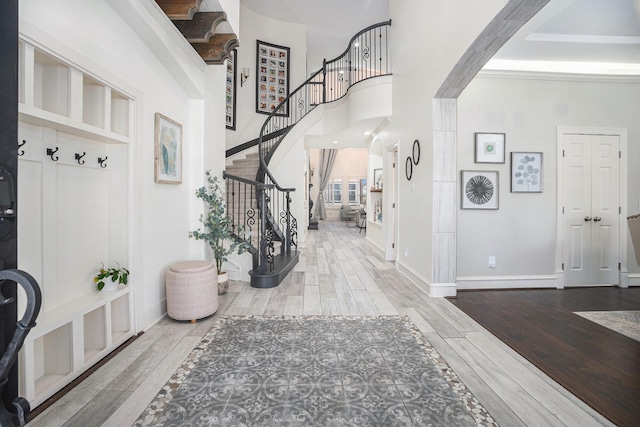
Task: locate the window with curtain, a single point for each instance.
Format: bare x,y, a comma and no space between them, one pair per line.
333,192
356,189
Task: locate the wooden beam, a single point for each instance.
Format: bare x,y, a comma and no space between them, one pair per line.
202,27
217,49
179,9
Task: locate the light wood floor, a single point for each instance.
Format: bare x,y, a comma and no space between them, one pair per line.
338,274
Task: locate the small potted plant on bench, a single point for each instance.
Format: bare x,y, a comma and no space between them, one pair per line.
108,279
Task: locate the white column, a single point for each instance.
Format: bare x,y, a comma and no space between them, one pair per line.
444,198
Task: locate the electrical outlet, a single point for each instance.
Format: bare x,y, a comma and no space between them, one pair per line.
406,252
492,262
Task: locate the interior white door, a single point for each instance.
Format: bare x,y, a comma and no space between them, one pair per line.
591,209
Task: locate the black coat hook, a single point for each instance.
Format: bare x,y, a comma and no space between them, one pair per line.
51,152
21,152
103,162
79,157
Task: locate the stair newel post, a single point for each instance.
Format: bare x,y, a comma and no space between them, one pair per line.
288,217
324,81
262,196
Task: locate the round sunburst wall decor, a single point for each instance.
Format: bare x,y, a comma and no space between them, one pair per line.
479,190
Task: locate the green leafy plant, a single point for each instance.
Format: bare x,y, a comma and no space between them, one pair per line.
118,274
218,226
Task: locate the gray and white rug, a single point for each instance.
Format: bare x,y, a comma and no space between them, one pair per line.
624,322
314,371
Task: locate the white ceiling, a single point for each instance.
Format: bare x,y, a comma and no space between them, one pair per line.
575,36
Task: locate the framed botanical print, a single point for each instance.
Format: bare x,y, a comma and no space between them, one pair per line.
479,190
230,91
526,172
272,78
168,150
490,147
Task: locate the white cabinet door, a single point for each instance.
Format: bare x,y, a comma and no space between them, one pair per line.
591,215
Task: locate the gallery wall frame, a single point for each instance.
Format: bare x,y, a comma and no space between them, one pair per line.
490,147
231,90
526,172
272,77
479,189
168,150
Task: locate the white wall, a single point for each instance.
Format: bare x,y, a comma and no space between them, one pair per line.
428,38
257,27
522,233
97,39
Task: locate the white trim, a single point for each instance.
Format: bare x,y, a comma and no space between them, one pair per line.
634,279
506,282
622,133
391,217
581,38
377,249
557,76
575,67
434,290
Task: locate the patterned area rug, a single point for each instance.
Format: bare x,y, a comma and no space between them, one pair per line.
624,322
314,371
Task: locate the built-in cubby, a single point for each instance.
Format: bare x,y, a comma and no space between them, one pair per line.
93,102
119,113
120,318
56,94
52,357
375,205
75,213
95,332
50,84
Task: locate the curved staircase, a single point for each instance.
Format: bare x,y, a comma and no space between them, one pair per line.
258,205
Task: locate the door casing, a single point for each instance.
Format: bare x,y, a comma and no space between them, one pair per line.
623,279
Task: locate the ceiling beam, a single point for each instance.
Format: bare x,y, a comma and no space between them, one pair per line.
217,49
179,9
202,27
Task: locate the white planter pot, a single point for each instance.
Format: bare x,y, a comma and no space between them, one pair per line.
223,283
110,285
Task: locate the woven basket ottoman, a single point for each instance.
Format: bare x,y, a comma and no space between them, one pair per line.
192,290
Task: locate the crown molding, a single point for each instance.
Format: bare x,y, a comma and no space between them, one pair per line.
558,76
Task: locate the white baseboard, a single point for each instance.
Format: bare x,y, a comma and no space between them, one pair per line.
434,290
634,280
377,249
506,282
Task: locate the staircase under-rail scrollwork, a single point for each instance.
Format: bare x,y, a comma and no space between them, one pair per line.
17,414
260,207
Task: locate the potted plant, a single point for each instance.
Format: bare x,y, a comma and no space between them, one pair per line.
110,278
218,230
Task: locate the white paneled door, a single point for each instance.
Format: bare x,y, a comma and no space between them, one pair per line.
591,218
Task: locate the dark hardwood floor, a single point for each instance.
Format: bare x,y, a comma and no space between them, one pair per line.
598,365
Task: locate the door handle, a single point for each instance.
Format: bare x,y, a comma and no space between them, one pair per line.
587,218
597,219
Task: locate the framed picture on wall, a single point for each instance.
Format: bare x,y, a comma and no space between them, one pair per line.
272,79
168,150
490,147
526,172
479,190
230,94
